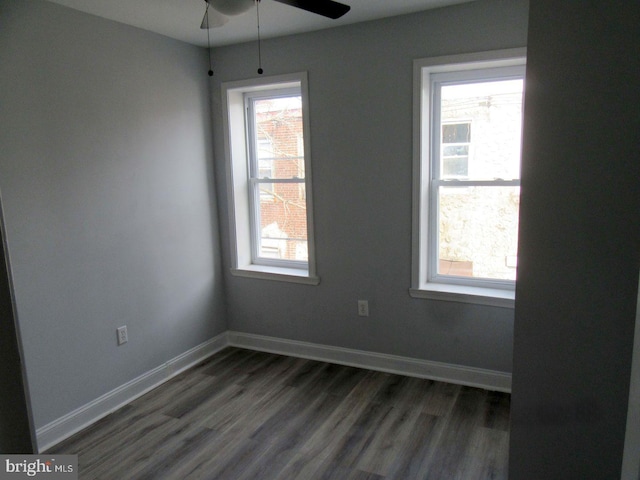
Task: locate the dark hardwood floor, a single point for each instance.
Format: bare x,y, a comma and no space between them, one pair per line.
253,415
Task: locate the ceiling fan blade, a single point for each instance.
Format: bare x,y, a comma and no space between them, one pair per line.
326,8
212,19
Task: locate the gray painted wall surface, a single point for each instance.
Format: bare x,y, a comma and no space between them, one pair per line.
15,426
579,254
631,457
109,201
360,94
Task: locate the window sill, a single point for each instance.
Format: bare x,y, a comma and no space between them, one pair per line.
292,275
493,297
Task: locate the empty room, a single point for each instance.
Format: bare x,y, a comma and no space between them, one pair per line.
314,239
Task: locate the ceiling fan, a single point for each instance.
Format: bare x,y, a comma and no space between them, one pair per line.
220,10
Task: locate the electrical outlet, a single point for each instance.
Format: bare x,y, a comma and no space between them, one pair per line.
363,308
123,337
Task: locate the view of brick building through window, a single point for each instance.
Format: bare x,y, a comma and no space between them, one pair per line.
280,172
480,140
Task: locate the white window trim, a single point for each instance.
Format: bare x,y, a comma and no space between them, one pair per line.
235,144
421,286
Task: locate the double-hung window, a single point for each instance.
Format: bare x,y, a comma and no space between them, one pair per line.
269,178
468,125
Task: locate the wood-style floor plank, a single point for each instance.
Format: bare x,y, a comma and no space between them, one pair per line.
251,415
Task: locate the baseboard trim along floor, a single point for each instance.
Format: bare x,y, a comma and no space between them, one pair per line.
80,418
411,367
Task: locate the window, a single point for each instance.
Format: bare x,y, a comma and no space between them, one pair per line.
467,169
269,178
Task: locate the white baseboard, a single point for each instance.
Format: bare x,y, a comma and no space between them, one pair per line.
445,372
82,417
65,426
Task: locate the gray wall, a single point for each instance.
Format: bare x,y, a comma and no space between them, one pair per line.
108,196
579,254
15,414
631,458
360,93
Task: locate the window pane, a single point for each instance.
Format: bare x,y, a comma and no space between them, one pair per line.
478,231
456,133
265,165
283,221
455,150
278,123
487,116
454,167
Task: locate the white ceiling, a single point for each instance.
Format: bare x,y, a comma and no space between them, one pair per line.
180,19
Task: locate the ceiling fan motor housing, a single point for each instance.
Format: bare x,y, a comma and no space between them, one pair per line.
231,7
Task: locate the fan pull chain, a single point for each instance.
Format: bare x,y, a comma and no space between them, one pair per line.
260,71
208,40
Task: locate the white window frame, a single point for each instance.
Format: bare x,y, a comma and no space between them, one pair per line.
237,151
424,283
255,181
